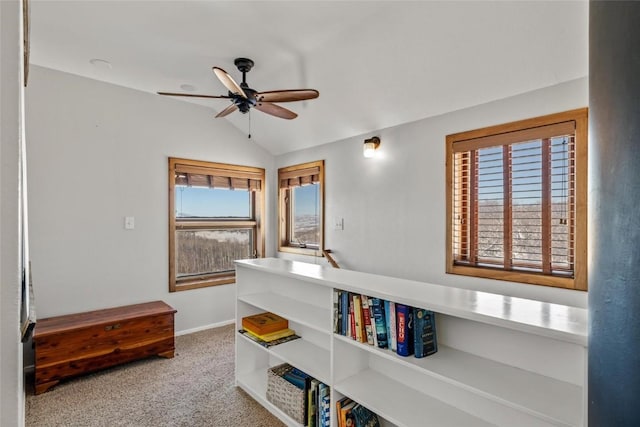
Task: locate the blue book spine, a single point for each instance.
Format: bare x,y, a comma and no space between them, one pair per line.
326,411
424,333
299,373
404,316
345,312
387,312
296,380
336,311
380,322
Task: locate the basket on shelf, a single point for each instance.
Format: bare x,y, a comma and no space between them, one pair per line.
286,396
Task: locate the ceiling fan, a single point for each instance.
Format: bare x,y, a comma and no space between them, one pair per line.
244,98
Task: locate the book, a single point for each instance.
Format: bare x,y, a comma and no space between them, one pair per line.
390,312
297,380
346,417
364,417
352,320
373,324
336,311
326,412
274,335
311,403
357,315
271,343
345,313
379,321
264,323
424,333
404,315
339,404
323,392
366,314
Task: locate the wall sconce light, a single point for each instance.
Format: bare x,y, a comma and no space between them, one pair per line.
370,146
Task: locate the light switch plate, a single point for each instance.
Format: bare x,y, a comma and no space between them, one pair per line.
129,223
338,223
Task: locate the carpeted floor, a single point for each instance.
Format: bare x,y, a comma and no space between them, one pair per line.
195,388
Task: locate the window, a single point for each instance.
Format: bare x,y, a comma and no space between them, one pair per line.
215,217
516,201
301,205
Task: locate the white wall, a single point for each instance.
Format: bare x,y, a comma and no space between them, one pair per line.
394,205
11,377
97,153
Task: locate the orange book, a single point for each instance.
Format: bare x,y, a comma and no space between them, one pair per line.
264,323
339,405
346,417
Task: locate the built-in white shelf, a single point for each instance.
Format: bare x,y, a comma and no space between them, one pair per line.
501,360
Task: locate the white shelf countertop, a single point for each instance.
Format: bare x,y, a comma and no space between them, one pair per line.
550,320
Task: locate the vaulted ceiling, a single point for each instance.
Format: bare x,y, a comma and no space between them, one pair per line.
376,63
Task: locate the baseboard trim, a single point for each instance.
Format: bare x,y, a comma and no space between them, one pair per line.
205,327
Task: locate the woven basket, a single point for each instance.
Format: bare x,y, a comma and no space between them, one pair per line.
286,396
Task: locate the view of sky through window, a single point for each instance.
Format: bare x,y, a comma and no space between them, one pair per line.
203,202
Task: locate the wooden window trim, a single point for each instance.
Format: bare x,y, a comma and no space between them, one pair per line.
578,194
256,221
289,173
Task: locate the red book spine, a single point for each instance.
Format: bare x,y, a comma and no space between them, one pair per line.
402,337
367,320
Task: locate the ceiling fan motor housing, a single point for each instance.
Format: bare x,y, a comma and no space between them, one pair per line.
244,104
244,64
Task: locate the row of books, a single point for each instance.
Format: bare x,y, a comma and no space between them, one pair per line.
352,414
267,329
317,397
401,328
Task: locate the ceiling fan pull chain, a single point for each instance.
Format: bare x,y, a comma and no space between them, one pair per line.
249,137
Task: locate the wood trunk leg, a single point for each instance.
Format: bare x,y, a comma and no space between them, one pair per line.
167,354
41,388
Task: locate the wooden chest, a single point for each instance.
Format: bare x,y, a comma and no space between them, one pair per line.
75,344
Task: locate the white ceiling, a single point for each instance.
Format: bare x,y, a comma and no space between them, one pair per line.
376,64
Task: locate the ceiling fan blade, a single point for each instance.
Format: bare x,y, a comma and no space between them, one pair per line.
287,95
193,95
275,110
228,82
230,109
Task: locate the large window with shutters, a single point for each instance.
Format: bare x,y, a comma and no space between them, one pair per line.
516,201
301,201
215,217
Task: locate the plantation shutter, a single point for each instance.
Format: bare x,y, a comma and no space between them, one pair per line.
514,200
193,176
